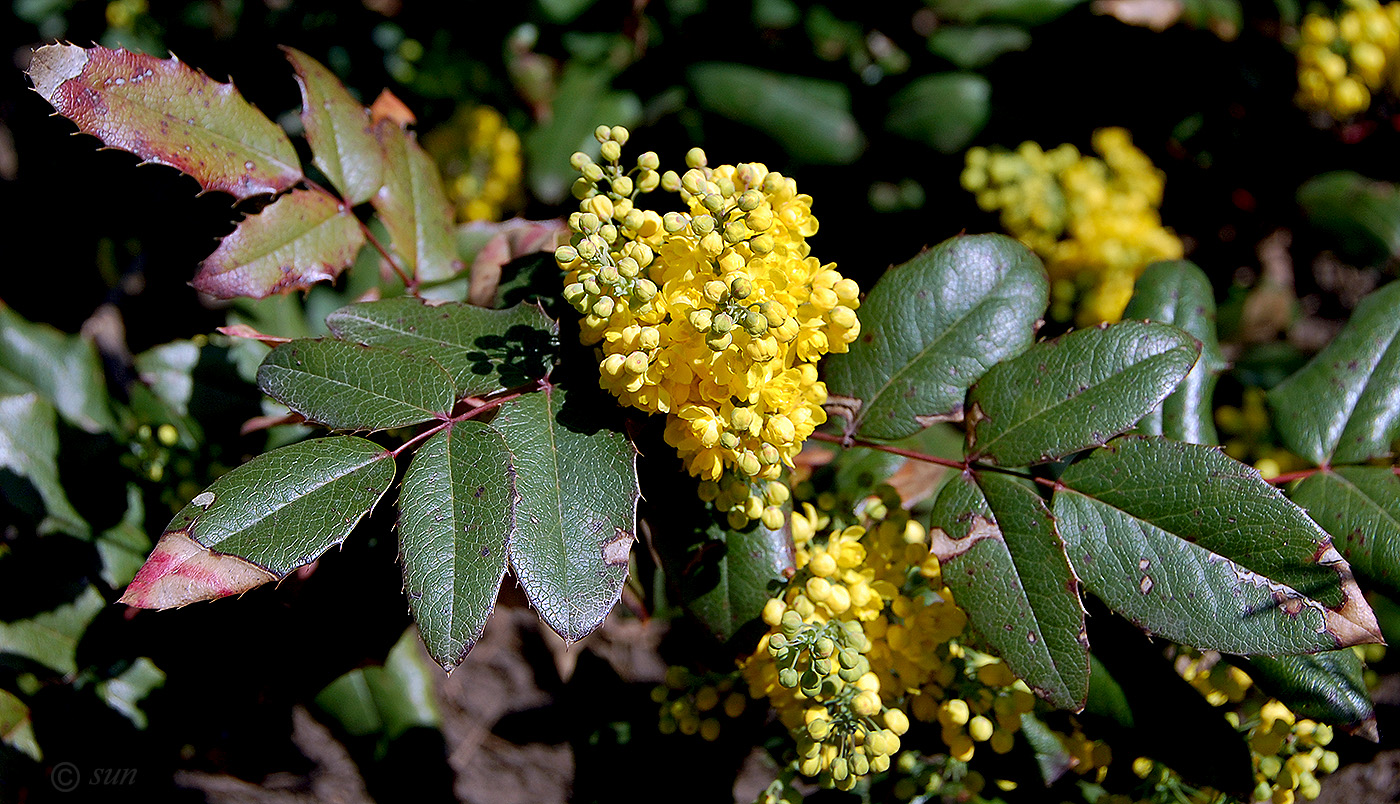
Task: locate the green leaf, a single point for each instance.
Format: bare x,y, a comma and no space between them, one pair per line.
123,547
169,114
1195,546
347,386
414,207
29,448
64,369
125,692
1361,215
1106,697
735,574
16,728
1344,405
302,238
1360,507
565,11
1052,757
974,46
809,117
1075,392
338,128
575,511
166,369
1006,565
455,510
1178,293
931,328
943,111
583,101
51,637
1024,12
484,350
1327,687
277,512
387,700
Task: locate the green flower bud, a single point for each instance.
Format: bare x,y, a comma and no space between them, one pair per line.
582,188
750,200
818,729
587,249
693,182
722,323
673,222
791,623
589,222
714,291
761,244
848,659
726,187
574,293
859,764
741,418
839,772
591,285
788,677
649,161
736,232
633,220
713,202
648,180
821,667
702,225
628,267
645,290
608,275
607,231
740,287
719,342
755,324
823,647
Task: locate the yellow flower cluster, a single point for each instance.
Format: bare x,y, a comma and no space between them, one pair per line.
1344,60
1094,220
691,704
479,156
874,599
715,315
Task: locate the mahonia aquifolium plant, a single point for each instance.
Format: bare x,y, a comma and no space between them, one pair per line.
1345,61
715,316
479,156
1093,220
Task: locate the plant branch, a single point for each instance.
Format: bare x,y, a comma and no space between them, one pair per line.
409,284
905,453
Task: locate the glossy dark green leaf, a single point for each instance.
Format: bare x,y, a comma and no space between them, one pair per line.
575,511
51,637
1075,392
123,547
484,350
29,449
16,728
930,329
348,386
1024,12
387,700
277,512
456,508
974,46
943,111
811,118
125,692
1006,565
1361,215
1195,546
64,369
735,574
1106,697
1327,687
1178,293
1344,405
1360,507
338,129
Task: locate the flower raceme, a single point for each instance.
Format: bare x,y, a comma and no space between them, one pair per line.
714,315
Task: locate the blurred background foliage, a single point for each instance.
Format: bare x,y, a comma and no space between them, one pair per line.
1294,215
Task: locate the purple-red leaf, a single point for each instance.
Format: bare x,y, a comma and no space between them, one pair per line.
302,238
168,114
339,130
414,207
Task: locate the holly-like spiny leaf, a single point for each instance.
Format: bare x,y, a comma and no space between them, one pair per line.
414,208
1327,687
51,637
456,509
302,238
125,692
29,448
810,117
349,386
277,512
387,700
123,547
484,350
1075,392
1193,545
1176,292
16,728
576,510
169,114
735,574
1360,507
930,329
343,145
1344,405
1000,554
63,369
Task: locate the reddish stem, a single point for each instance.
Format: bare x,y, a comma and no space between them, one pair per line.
409,284
489,404
905,453
1289,477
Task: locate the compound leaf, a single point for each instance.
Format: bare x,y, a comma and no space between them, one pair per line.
302,238
484,350
1176,292
64,369
456,508
339,130
1327,687
1075,392
51,637
277,512
413,206
29,448
930,329
169,114
735,575
348,386
1360,507
1193,545
1344,405
575,511
1002,557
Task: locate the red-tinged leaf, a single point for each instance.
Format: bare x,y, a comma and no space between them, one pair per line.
181,571
414,207
168,114
388,107
252,334
339,130
302,238
497,244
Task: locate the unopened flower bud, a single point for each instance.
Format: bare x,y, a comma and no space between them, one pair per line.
673,222
622,185
619,134
670,181
695,158
579,159
701,320
645,290
714,291
611,151
565,255
702,225
593,172
582,188
603,308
